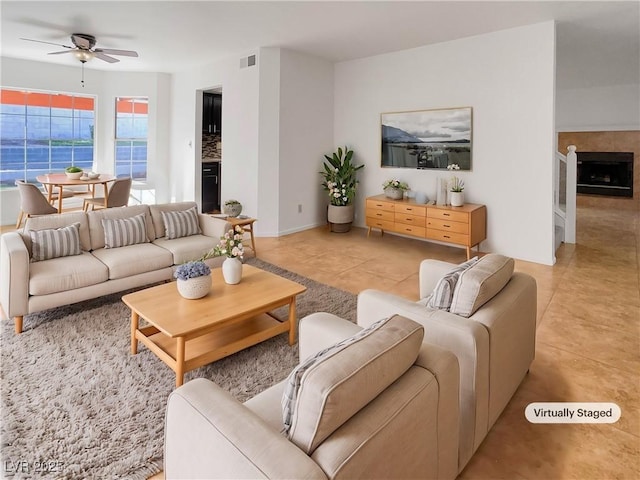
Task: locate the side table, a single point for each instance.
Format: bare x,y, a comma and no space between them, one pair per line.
247,225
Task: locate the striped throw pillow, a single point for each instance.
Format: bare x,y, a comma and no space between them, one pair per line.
442,295
54,243
121,232
180,223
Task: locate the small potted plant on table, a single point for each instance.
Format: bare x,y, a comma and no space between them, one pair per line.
394,189
194,279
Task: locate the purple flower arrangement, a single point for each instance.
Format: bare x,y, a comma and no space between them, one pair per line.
192,270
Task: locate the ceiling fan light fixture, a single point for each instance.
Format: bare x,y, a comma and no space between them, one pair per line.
84,55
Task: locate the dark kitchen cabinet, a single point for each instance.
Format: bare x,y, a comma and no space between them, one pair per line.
211,187
211,112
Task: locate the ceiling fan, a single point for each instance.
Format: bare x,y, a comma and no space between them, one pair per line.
84,49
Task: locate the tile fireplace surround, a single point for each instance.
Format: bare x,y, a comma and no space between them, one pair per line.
613,141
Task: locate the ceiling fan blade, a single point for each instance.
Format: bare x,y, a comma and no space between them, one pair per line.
106,58
58,53
81,41
113,51
49,43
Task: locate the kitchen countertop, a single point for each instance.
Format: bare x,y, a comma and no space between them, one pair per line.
211,160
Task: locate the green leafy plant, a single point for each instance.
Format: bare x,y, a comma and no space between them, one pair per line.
394,183
232,202
73,169
455,184
340,177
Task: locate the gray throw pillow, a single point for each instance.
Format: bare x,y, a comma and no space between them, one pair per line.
54,243
124,231
442,294
180,223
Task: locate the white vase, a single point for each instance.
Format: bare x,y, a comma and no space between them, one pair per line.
193,288
457,199
232,270
441,191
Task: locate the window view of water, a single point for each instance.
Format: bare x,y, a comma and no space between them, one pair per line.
48,132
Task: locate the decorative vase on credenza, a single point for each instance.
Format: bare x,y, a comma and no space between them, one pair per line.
456,198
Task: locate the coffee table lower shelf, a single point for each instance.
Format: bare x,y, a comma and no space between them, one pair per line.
183,355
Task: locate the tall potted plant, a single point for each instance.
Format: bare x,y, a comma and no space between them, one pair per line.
340,182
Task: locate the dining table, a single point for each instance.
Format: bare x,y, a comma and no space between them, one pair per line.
51,181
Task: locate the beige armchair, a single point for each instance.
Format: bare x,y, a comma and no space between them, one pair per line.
383,405
494,344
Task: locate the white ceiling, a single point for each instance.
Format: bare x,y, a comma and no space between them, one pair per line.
598,42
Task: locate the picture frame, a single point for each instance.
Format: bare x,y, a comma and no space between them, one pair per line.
427,139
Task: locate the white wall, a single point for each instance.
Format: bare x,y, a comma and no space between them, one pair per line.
106,86
508,79
240,88
306,134
600,108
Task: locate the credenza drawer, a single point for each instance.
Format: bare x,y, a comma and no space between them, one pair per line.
408,219
412,209
448,225
444,214
380,205
380,214
451,237
381,224
409,229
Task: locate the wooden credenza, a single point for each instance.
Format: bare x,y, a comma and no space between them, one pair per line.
466,225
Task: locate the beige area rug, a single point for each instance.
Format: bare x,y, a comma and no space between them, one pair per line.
76,404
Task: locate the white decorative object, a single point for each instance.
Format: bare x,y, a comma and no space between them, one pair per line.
73,175
394,193
193,288
421,197
340,217
457,199
233,208
232,270
441,191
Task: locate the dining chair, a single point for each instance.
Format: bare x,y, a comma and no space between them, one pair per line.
118,196
32,201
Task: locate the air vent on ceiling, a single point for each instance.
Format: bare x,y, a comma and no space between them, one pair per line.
249,61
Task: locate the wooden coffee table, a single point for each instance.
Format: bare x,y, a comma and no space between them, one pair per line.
187,334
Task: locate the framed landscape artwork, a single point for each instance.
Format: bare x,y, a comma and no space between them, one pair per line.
427,139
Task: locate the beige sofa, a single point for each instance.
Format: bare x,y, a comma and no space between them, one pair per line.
494,343
382,405
29,286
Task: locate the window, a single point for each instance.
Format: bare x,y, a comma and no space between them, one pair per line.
42,132
131,137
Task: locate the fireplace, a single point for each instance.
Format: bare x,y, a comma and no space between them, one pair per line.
605,173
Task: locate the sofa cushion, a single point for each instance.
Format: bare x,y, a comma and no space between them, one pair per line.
480,283
156,214
326,390
55,242
181,224
58,220
120,232
66,273
134,259
442,294
95,217
187,249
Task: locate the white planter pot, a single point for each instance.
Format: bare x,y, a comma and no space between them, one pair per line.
232,270
457,199
340,217
394,193
193,288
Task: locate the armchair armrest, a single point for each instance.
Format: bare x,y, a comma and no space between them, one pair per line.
208,434
212,226
321,330
14,276
467,339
